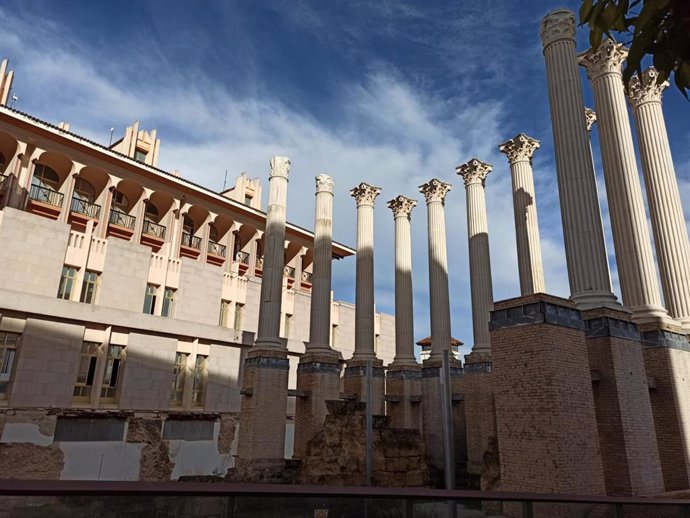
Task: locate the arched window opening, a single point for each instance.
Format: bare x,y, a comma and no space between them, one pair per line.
151,213
213,233
46,177
120,201
83,190
188,225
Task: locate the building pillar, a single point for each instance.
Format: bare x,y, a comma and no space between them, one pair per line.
318,372
585,249
519,151
474,173
665,207
261,443
634,258
355,372
404,375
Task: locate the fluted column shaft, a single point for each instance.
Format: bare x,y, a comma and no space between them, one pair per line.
435,193
588,271
274,256
634,258
665,206
320,310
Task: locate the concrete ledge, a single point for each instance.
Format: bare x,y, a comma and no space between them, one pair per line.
528,311
403,374
360,371
478,367
613,327
663,338
264,362
318,367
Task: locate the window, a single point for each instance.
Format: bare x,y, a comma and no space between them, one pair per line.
3,161
86,373
139,155
239,314
168,302
151,212
199,383
248,199
87,429
44,176
150,299
224,312
188,225
188,430
89,288
120,201
83,190
67,281
113,367
8,351
213,233
179,369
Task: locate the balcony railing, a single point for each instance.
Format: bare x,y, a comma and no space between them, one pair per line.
191,241
117,217
306,277
153,229
88,209
242,257
260,263
289,272
216,248
46,195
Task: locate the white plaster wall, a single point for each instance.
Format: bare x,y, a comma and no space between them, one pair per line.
125,272
199,293
199,457
100,460
25,433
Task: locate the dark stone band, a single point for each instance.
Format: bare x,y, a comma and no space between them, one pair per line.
404,374
318,367
478,367
659,338
435,372
360,371
607,326
263,362
536,313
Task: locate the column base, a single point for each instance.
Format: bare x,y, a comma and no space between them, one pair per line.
263,407
404,395
318,381
651,315
585,300
355,383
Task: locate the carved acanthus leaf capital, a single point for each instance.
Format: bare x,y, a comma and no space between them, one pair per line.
474,171
365,194
590,118
324,183
557,25
607,59
435,190
646,88
280,166
402,206
520,148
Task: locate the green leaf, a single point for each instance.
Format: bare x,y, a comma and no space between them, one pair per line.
585,11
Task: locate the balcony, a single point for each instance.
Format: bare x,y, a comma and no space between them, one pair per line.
190,246
45,201
305,282
85,208
289,272
216,253
121,224
242,258
153,235
259,270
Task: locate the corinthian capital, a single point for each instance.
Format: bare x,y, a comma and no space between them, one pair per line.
474,171
435,190
280,166
607,59
365,194
402,206
590,118
520,148
324,183
646,88
557,25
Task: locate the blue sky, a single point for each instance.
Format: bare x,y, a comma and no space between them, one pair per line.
392,93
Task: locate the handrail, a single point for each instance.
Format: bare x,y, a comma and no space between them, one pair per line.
289,271
306,277
260,262
191,241
153,229
86,208
216,248
118,217
46,195
242,257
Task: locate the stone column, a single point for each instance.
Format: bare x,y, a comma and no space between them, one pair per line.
585,249
355,380
474,173
404,376
665,207
261,443
519,151
318,372
636,271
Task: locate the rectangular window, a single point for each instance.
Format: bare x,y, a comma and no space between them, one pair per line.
68,429
239,317
8,351
199,386
247,199
90,287
86,373
179,371
196,430
150,299
139,155
168,302
113,372
224,312
67,281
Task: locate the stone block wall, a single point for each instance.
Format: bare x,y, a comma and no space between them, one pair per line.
124,277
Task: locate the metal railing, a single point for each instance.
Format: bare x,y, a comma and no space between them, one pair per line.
289,272
117,217
191,241
216,248
88,209
242,257
46,195
153,229
306,277
260,262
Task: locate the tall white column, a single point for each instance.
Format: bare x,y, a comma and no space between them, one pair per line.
665,207
320,311
474,173
274,256
519,151
585,248
435,192
404,327
634,258
365,194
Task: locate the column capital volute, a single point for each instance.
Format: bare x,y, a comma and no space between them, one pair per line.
280,166
590,118
474,172
324,183
645,88
435,190
557,25
606,59
365,194
520,148
402,206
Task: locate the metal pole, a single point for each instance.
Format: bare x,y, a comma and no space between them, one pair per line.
369,424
